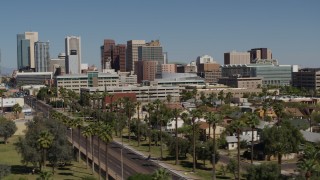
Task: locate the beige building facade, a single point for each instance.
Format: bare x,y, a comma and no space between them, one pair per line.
234,57
169,68
33,37
132,53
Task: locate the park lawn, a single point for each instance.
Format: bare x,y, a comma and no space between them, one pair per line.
9,156
185,164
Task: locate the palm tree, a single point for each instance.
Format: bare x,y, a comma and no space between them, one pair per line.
92,129
164,117
237,126
310,160
161,174
278,109
176,113
87,132
17,109
129,110
78,123
138,123
105,134
252,121
196,114
228,98
111,101
158,106
169,98
212,97
44,140
150,108
221,96
213,119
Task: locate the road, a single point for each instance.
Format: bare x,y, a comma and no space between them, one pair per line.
133,163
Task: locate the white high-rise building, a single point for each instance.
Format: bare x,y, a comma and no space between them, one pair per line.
42,56
25,49
73,54
205,59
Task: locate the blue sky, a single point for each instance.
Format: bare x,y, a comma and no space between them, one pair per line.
186,28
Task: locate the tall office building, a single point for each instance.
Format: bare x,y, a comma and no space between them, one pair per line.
73,54
234,57
25,50
132,53
145,70
42,56
260,53
152,51
113,56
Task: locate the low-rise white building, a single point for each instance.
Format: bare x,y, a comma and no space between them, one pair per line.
91,79
143,93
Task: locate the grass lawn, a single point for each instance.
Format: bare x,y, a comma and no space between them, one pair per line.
10,156
185,164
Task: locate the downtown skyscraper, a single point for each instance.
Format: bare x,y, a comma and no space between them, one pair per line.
132,53
113,56
42,56
73,54
25,50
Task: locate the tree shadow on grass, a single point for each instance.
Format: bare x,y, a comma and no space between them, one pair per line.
172,158
66,173
186,164
223,177
21,169
64,168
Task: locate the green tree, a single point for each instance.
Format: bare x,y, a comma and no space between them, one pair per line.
263,172
44,140
29,147
281,140
45,175
5,170
7,128
161,174
233,168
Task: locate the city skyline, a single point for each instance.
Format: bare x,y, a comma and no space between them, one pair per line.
186,30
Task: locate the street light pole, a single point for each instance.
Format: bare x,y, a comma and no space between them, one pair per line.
121,165
121,157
